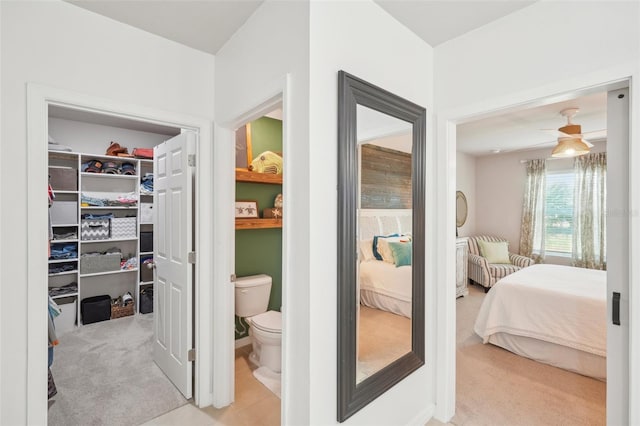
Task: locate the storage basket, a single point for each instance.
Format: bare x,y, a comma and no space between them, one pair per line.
118,311
92,263
123,227
63,178
95,229
146,212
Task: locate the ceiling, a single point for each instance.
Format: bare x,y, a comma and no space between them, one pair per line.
206,25
522,129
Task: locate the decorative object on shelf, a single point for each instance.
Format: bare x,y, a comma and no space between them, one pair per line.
246,209
277,203
267,162
272,213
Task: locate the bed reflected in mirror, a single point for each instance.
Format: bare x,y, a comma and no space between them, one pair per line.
384,241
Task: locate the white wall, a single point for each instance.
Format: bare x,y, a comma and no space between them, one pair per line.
95,138
273,45
60,45
361,39
548,48
466,182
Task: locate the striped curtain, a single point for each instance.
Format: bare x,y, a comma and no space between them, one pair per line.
589,221
532,228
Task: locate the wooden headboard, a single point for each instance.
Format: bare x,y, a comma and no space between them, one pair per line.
383,222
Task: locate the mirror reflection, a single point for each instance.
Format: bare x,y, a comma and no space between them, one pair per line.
384,240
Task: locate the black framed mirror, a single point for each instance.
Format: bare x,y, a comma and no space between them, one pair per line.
381,203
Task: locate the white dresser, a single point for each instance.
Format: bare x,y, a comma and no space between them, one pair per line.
462,261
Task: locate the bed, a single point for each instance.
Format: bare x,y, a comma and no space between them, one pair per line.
552,314
383,285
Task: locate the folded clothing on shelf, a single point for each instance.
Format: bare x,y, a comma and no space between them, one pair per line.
62,290
61,251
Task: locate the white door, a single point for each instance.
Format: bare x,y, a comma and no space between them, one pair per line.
173,240
618,256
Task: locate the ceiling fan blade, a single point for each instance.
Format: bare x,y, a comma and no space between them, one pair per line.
595,134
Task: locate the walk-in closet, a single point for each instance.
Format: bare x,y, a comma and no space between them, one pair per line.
101,269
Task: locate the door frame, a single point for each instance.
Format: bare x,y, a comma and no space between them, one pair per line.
445,210
273,93
39,97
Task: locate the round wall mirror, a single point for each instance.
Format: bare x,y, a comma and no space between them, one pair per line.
461,208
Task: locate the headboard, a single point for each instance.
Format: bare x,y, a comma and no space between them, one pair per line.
383,222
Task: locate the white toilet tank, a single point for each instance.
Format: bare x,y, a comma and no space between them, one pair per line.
252,295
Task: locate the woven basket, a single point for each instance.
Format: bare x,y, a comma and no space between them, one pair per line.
121,311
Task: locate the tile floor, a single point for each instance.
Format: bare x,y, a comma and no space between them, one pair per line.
254,403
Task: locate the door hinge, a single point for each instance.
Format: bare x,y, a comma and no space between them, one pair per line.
192,160
192,257
191,355
233,278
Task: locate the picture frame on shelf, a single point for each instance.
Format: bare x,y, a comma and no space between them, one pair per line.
247,209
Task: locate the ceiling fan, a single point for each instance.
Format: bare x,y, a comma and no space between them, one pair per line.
571,140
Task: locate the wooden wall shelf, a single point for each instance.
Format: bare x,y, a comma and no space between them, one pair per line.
258,223
247,176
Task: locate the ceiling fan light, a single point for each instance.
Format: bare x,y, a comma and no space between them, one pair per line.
569,147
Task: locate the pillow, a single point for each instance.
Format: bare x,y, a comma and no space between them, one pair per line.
385,251
494,252
366,250
376,254
402,252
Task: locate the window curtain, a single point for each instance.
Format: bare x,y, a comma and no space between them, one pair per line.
589,222
532,229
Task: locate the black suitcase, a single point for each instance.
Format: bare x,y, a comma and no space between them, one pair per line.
146,300
95,309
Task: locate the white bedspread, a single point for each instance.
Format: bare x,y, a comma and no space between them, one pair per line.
384,278
553,303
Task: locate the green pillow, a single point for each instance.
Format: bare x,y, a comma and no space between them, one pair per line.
494,252
402,253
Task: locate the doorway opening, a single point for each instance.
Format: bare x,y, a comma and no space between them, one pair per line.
103,234
495,173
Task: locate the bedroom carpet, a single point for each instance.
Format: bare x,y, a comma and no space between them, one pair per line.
105,375
496,387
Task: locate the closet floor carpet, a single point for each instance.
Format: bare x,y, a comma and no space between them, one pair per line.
105,375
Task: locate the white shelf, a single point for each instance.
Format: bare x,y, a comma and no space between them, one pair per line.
145,253
59,274
57,191
75,240
146,282
146,223
120,271
110,240
108,176
60,296
68,225
51,262
109,207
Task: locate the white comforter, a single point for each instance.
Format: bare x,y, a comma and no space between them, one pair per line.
384,278
557,304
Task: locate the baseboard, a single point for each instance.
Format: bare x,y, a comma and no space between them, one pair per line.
244,341
423,416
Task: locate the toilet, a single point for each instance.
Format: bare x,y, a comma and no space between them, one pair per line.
265,327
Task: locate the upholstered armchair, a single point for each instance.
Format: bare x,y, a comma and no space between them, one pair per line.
486,273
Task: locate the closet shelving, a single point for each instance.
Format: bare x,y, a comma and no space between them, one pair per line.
98,185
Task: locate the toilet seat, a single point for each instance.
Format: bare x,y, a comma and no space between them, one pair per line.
269,322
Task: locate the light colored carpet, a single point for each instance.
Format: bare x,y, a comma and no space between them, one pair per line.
497,387
105,375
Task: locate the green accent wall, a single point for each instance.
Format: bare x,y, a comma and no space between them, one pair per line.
259,251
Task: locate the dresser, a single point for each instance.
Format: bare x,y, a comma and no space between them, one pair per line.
462,262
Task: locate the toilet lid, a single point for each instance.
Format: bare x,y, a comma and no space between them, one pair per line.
270,321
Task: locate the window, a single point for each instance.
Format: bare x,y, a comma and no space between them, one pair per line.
558,211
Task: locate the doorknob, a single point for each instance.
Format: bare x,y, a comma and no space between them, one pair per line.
151,265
